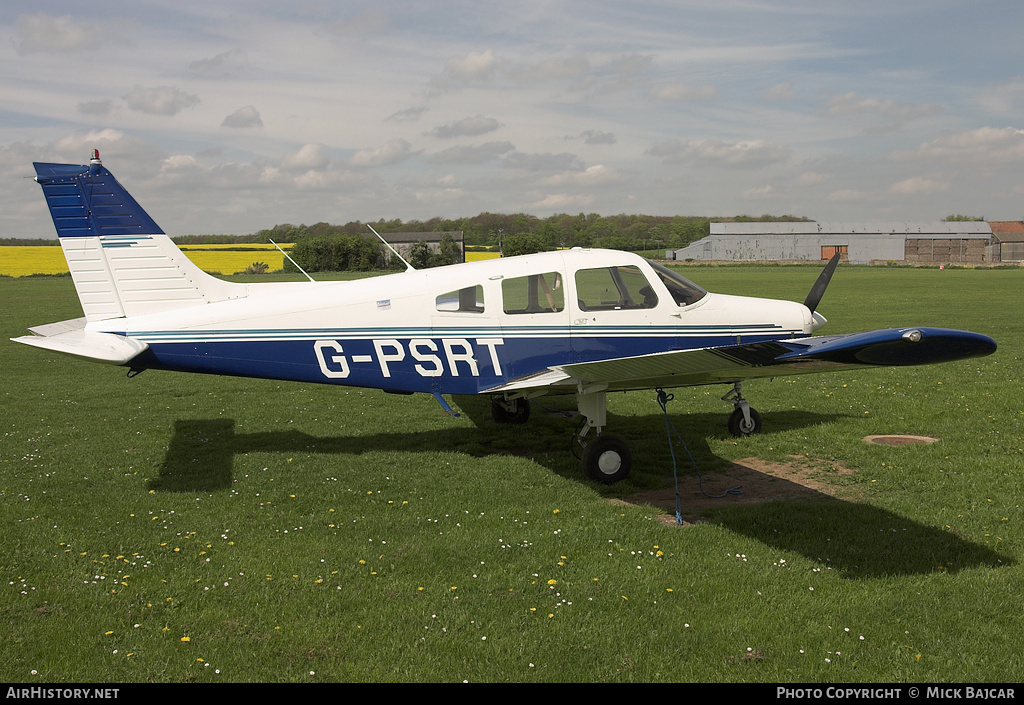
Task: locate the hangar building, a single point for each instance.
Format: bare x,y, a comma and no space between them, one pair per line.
859,243
1008,241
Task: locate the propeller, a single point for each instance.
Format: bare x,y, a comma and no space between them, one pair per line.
818,290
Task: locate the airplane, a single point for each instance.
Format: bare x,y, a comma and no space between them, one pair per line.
581,321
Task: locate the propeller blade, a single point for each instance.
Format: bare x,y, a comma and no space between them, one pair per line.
818,290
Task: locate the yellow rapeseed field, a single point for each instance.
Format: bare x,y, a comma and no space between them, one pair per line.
18,261
229,262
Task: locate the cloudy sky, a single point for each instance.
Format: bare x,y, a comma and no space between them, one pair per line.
229,117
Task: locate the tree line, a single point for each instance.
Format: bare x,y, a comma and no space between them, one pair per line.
632,232
327,247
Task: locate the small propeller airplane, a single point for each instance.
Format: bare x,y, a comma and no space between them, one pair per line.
580,321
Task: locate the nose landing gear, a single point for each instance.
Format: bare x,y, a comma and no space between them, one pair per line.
744,420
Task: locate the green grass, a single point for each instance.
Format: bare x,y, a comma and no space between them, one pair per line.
310,533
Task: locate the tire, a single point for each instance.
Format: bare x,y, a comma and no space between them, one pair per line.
739,428
607,460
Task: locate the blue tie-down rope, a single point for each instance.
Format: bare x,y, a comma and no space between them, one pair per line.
663,399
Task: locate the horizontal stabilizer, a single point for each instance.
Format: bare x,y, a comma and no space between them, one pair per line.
71,338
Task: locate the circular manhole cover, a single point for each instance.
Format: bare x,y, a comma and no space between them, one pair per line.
899,440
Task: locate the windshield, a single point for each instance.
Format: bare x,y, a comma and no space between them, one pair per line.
684,291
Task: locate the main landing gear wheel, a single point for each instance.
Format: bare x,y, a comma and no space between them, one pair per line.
510,411
607,460
739,426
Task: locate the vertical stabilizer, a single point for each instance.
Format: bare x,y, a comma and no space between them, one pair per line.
122,263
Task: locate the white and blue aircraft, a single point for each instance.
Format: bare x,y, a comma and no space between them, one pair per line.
583,322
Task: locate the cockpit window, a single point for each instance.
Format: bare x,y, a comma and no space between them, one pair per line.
613,289
536,293
684,291
467,300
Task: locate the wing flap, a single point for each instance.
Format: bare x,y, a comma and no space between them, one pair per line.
71,338
545,379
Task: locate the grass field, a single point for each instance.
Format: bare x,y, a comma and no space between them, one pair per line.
177,528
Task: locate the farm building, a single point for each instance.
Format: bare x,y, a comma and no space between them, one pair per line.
1008,241
403,242
859,243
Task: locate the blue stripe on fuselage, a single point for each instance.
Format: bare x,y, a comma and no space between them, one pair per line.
449,364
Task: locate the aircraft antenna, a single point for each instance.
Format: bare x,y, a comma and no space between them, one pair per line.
292,261
408,267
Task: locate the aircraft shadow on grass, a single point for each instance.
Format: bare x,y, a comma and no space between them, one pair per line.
856,539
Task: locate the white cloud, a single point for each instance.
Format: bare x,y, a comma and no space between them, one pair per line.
163,100
562,201
848,195
178,162
780,92
597,137
473,67
310,156
852,104
407,115
919,185
466,127
758,192
111,143
986,144
745,153
247,116
223,64
812,178
592,176
393,152
96,107
472,154
41,32
544,162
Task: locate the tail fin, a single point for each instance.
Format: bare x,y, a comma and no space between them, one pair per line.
122,263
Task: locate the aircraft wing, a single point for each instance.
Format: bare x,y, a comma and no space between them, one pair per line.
681,368
71,338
